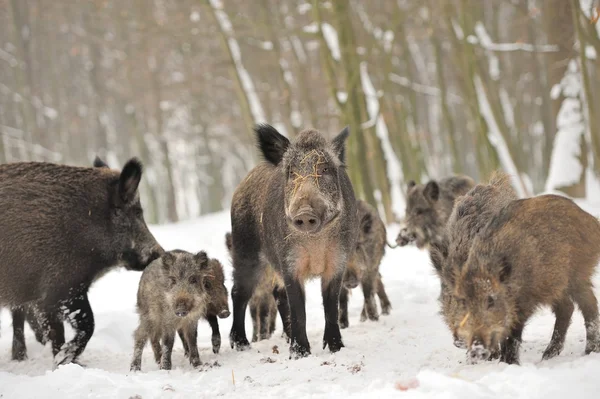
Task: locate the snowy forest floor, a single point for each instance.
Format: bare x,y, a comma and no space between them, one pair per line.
409,347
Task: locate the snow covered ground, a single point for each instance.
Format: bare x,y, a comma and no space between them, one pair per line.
410,348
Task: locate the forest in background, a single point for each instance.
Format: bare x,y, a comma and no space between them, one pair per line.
428,88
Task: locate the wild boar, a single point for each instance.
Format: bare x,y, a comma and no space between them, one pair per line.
297,212
428,208
470,214
172,296
60,228
364,264
534,252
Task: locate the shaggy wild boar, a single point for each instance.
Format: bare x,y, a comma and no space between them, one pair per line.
297,212
172,296
60,228
428,208
470,214
533,252
217,306
268,296
363,267
53,329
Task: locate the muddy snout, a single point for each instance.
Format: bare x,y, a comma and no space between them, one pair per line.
183,306
478,352
306,220
223,314
351,282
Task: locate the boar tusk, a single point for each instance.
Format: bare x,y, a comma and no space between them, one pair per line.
464,320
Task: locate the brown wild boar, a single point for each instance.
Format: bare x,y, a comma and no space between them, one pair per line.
172,295
217,305
470,214
61,227
428,207
268,296
363,267
533,252
297,212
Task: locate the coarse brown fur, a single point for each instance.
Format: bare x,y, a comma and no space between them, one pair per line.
428,208
539,251
364,264
296,212
172,296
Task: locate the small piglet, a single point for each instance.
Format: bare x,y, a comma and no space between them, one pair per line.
172,295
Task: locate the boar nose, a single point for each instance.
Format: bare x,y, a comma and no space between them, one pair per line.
478,351
306,220
224,314
181,313
351,283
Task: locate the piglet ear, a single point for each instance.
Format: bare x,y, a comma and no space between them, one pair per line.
411,184
99,163
201,258
271,143
130,178
168,259
339,144
432,191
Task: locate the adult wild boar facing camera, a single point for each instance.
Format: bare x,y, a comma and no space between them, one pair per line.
297,212
60,228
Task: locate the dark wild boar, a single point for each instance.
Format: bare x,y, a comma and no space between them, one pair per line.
217,306
428,207
172,296
269,296
534,252
363,267
470,215
60,228
297,212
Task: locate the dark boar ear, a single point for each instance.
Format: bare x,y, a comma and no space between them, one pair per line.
505,269
201,258
272,144
130,179
367,223
411,184
339,144
168,259
99,163
432,190
228,241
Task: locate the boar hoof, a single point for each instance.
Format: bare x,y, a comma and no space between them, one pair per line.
240,344
216,343
385,310
333,339
195,362
298,351
551,351
510,358
592,346
135,367
344,324
165,365
19,356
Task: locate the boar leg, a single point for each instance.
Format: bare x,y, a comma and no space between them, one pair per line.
246,272
264,314
255,320
563,310
81,319
510,349
588,304
53,328
383,298
368,285
344,307
156,348
19,350
186,349
139,337
299,346
168,339
216,334
283,306
331,303
272,318
191,337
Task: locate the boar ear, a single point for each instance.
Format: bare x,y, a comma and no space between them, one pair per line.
168,259
432,190
438,255
411,184
505,269
99,163
228,241
201,258
339,144
367,223
130,179
272,144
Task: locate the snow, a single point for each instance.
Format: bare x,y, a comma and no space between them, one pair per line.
331,38
411,346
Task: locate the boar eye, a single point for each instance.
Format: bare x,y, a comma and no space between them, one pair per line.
491,301
461,302
419,211
193,280
207,284
172,281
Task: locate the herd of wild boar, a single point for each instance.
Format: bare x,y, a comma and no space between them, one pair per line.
294,217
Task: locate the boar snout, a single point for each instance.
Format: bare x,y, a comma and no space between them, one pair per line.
478,352
351,282
183,306
405,237
306,220
224,314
